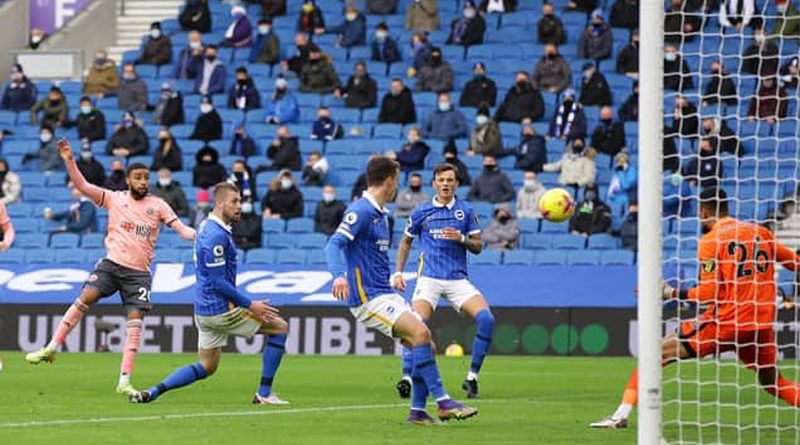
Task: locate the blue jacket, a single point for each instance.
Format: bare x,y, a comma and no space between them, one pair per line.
187,65
248,91
386,51
217,83
19,98
352,33
81,217
531,154
627,180
444,125
284,109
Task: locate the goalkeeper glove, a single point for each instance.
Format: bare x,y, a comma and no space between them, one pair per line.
668,292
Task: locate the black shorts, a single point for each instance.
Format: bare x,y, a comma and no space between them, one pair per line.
133,285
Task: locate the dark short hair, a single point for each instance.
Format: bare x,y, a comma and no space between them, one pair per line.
416,175
223,187
444,167
241,69
85,99
379,169
212,46
715,200
382,25
136,166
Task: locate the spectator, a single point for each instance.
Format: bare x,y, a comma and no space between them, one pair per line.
359,187
576,167
311,20
705,169
594,87
246,232
411,197
479,90
315,170
241,143
157,50
628,57
608,136
597,41
790,72
132,92
211,78
624,182
437,76
35,38
116,180
282,107
208,126
381,6
273,8
168,154
586,6
102,79
420,53
243,95
762,56
19,93
10,184
492,185
302,49
129,139
550,28
91,169
266,46
531,153
171,192
677,73
770,102
168,110
353,30
329,212
485,138
81,216
189,64
591,216
361,90
422,16
397,106
54,108
681,23
240,31
207,172
469,29
736,13
242,177
90,121
384,48
284,152
629,229
787,22
625,14
444,123
569,120
629,111
318,75
411,156
685,119
325,128
498,6
503,232
47,153
528,197
671,162
450,153
196,16
721,87
283,200
552,73
722,137
201,210
521,101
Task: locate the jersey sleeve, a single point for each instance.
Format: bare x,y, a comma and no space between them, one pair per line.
706,290
414,224
473,224
211,251
109,200
352,223
168,215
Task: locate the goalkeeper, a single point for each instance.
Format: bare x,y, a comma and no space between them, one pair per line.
737,281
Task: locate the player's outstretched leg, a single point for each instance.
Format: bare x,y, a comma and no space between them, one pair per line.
404,384
270,361
186,375
479,309
71,319
133,340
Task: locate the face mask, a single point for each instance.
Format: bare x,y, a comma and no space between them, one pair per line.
395,92
16,77
479,76
211,58
241,81
590,196
521,83
530,183
415,188
328,197
489,168
247,207
782,8
635,42
56,100
606,121
202,205
670,57
155,33
86,109
351,16
503,218
206,159
195,45
587,75
264,30
286,184
127,123
100,60
759,38
45,137
164,182
129,76
413,138
381,35
444,106
622,167
577,148
469,13
481,119
206,108
551,56
36,39
86,155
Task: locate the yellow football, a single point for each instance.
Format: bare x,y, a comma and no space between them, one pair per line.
556,205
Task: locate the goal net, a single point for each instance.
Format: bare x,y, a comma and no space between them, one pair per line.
731,115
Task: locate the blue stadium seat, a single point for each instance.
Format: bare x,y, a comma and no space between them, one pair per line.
187,256
602,241
569,242
70,256
280,241
260,256
551,227
273,225
14,256
31,241
583,258
168,256
65,241
550,258
486,258
316,257
535,241
21,209
300,225
290,256
527,225
39,256
518,257
387,131
616,258
310,241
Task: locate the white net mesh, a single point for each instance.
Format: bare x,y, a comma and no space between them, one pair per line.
737,129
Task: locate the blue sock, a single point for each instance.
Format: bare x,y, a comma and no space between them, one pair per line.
270,361
419,390
407,361
483,339
425,365
181,377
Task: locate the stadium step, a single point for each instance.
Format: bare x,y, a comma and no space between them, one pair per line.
134,22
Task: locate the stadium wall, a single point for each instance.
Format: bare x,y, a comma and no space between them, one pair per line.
93,29
13,30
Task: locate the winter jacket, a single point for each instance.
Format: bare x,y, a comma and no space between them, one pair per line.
576,169
242,146
628,59
675,21
283,109
134,139
92,170
531,154
508,6
568,123
623,184
550,29
81,217
491,186
299,59
328,215
326,129
116,181
246,232
705,169
677,75
196,16
412,156
53,113
101,80
92,125
398,109
552,74
286,155
241,34
308,22
169,110
724,139
467,32
486,140
172,159
501,236
629,231
420,55
208,127
768,103
444,125
244,96
208,174
477,91
156,51
438,79
132,95
197,215
423,16
591,217
216,83
386,51
720,89
520,103
528,201
287,203
625,14
608,138
595,91
596,46
319,77
188,65
19,96
407,200
174,196
360,92
687,121
314,175
266,48
47,154
11,186
629,111
352,33
788,23
381,6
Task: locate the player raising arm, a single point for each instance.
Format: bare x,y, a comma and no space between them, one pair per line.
737,280
134,220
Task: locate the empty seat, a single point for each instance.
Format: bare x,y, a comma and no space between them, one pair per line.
486,258
550,258
536,242
551,227
518,257
310,241
583,258
70,256
300,225
15,256
273,225
38,256
260,256
64,241
280,241
616,258
291,256
92,241
602,241
31,241
569,242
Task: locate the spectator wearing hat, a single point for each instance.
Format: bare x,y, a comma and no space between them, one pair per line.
10,184
478,90
102,78
528,197
411,197
168,110
450,153
397,106
90,121
91,168
282,107
201,210
315,170
569,120
325,128
552,73
132,91
318,74
207,171
241,143
157,50
412,154
208,126
47,153
329,212
608,136
243,95
445,122
592,215
531,153
171,192
437,76
190,60
503,232
492,185
361,90
284,151
266,46
311,20
283,199
597,41
168,154
521,101
576,167
384,48
211,78
469,29
594,87
195,16
54,109
353,30
240,31
485,138
129,139
550,28
116,180
422,15
19,93
624,182
628,56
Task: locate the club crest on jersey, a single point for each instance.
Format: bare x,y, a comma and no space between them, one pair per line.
350,218
218,250
150,211
709,266
92,278
459,215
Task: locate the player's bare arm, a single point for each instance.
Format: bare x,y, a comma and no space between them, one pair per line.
398,282
472,242
90,190
341,290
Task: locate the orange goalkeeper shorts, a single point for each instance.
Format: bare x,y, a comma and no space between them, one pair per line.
756,349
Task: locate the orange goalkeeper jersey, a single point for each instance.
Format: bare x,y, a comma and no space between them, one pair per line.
737,274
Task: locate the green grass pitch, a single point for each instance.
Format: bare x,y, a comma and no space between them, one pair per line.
351,400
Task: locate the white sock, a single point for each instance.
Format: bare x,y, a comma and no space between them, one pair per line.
443,398
623,411
51,347
472,376
124,380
